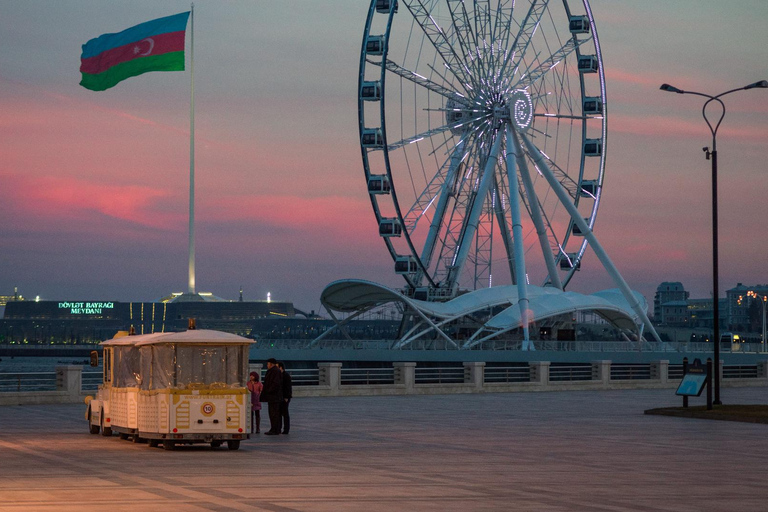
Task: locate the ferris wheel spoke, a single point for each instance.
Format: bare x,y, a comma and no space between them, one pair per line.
548,64
568,183
565,116
523,38
440,42
462,28
435,131
422,81
443,194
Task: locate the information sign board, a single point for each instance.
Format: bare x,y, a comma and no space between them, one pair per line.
694,381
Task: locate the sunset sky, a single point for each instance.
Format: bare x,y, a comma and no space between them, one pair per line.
94,185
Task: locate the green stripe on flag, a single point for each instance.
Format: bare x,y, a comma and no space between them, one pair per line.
173,61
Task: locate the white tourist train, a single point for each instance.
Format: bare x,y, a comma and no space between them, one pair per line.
174,388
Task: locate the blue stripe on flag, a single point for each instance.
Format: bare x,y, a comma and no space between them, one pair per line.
105,42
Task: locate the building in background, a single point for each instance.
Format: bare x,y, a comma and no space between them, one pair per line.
665,293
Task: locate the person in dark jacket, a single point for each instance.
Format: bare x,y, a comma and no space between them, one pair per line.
273,395
287,395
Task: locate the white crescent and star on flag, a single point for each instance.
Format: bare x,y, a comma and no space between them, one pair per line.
137,49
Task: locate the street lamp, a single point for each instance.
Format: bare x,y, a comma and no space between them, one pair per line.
713,154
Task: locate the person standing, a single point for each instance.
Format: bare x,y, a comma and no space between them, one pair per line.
255,387
287,395
273,395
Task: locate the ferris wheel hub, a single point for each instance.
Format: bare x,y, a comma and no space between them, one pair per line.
520,107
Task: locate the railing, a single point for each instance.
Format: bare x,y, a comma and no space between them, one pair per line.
675,372
441,345
507,373
630,371
565,372
740,372
91,380
357,376
28,381
69,382
305,377
449,375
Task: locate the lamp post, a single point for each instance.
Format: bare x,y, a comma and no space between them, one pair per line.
713,154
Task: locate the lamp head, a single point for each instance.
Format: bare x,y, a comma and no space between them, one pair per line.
670,88
762,84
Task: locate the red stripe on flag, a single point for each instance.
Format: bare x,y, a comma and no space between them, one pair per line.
155,45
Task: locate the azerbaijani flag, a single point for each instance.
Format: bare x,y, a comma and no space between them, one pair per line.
156,45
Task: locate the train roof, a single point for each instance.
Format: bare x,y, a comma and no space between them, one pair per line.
192,336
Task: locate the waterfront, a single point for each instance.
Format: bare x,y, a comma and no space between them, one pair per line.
554,452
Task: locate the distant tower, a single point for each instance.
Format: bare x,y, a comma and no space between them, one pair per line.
241,293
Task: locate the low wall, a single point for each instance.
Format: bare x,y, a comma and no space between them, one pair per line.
329,382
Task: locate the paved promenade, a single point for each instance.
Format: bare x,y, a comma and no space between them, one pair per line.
557,451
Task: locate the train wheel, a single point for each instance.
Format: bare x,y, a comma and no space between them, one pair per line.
215,444
169,445
94,429
123,436
153,443
234,444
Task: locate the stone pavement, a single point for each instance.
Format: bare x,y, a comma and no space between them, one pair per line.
556,451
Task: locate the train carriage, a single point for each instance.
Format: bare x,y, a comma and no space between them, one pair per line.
174,388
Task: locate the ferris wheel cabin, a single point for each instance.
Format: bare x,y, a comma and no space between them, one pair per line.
379,184
406,265
593,105
371,91
593,147
374,45
389,227
372,138
383,6
579,25
588,64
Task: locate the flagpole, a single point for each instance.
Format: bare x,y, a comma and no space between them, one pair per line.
192,156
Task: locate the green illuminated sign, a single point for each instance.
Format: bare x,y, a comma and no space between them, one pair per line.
86,308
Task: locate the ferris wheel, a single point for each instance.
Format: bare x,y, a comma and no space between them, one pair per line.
483,138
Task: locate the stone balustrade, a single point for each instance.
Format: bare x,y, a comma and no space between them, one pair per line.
405,380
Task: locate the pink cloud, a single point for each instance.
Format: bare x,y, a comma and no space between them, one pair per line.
666,126
76,198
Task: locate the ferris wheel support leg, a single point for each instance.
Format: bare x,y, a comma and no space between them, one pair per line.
596,247
506,237
517,237
471,222
541,230
445,192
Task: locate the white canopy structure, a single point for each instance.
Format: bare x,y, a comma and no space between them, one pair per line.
490,312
